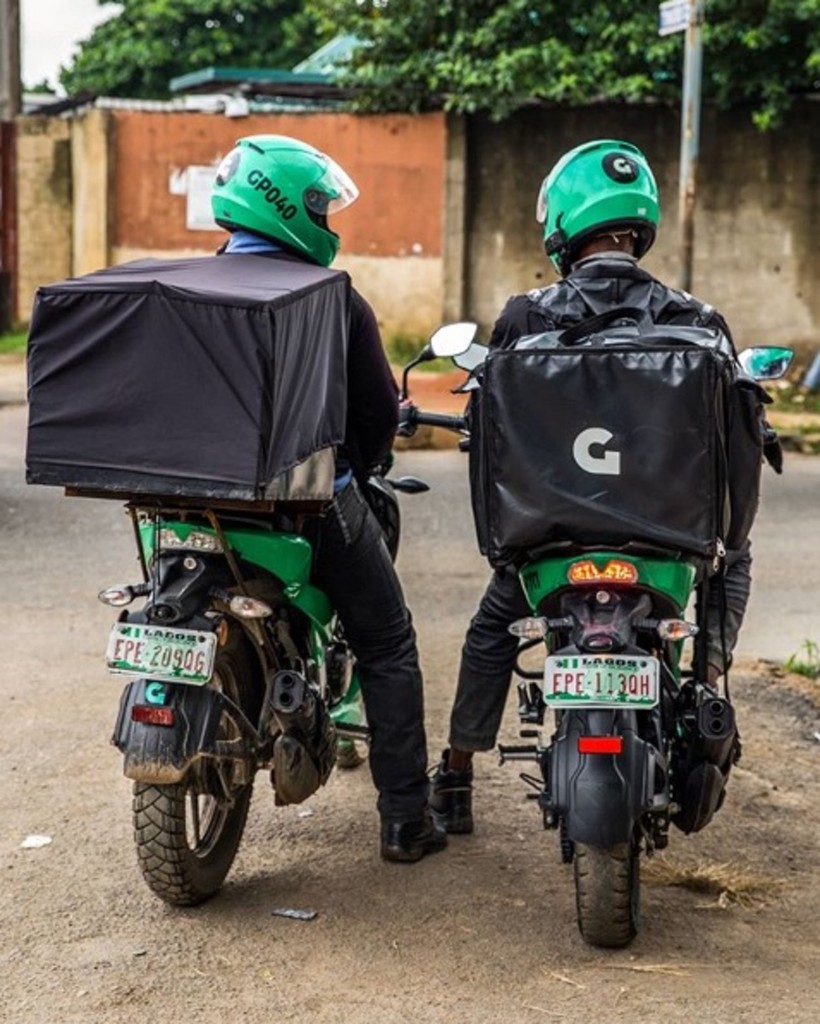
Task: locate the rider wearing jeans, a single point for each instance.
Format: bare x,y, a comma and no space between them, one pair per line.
287,221
599,207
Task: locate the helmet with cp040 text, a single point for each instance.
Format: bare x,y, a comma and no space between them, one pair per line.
284,190
598,187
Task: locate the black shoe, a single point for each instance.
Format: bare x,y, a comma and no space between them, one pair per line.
409,841
451,797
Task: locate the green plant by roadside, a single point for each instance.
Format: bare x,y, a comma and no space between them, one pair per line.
496,56
806,661
790,396
15,341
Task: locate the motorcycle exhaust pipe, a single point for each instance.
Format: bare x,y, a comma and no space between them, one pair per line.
304,752
292,702
715,731
706,766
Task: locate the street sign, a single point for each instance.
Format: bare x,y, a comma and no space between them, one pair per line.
673,16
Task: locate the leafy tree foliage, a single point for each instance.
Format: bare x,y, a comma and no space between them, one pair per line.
497,55
139,50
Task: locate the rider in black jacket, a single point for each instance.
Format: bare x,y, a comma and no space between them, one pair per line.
600,209
274,195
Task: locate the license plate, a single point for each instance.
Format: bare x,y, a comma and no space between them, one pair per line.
601,681
181,655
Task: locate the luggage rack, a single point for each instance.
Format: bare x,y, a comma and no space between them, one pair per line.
185,503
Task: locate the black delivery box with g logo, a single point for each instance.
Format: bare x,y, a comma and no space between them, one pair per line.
216,377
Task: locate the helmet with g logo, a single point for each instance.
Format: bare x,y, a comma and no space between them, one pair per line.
283,189
600,186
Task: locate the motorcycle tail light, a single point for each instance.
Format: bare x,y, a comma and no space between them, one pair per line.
149,714
676,629
600,744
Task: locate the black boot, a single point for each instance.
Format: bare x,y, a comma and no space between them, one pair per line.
409,841
451,797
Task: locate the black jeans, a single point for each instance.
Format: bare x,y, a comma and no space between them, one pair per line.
354,569
487,661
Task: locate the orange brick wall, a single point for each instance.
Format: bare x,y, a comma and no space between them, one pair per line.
396,160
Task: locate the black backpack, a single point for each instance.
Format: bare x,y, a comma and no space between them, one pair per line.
615,432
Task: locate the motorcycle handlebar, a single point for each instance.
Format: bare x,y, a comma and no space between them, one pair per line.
436,419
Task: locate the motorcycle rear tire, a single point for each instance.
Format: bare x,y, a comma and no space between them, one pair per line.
607,893
187,838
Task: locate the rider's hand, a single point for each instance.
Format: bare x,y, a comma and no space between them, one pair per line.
407,418
383,468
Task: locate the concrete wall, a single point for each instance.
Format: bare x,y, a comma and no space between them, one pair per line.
44,212
757,256
445,222
92,182
98,189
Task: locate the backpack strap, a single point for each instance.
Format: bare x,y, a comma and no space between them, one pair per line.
623,316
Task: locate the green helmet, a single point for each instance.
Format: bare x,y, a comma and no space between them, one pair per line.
597,187
283,189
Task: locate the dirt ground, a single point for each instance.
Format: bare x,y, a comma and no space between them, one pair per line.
482,933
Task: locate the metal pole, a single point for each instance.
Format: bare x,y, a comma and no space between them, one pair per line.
9,59
10,97
690,138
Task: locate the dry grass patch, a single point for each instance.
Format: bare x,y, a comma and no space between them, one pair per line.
730,884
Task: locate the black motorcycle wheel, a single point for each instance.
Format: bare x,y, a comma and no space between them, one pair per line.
607,893
187,833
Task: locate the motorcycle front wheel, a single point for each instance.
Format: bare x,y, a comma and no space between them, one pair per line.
607,893
187,833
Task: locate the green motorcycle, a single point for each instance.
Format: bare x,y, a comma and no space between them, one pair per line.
636,740
241,664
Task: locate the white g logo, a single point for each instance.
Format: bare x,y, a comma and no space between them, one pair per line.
605,464
621,168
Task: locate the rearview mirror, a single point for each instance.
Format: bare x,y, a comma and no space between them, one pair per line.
453,339
472,357
766,362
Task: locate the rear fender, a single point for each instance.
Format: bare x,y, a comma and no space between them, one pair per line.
162,754
602,796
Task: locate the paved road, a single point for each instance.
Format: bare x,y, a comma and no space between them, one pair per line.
41,534
484,932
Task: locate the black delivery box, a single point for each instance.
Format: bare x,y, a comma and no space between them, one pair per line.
614,444
219,377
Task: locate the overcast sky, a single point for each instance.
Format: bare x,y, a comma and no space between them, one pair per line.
50,31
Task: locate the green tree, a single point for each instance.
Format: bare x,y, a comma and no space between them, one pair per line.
497,55
140,49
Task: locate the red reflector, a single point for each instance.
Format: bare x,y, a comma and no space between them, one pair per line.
151,715
600,744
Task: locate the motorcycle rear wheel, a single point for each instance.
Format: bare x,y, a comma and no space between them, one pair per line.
187,833
607,893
